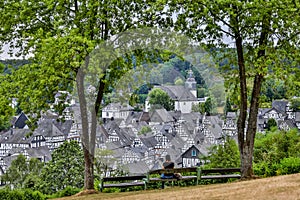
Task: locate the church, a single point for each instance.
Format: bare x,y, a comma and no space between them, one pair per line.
184,97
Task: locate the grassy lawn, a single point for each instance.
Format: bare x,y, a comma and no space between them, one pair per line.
281,187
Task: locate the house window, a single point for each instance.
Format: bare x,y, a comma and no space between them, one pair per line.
194,153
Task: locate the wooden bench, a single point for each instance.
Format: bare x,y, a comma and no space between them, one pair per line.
121,181
195,175
220,173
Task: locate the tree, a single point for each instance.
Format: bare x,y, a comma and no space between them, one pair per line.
271,124
20,172
275,147
59,36
158,97
224,155
64,169
295,104
266,40
178,81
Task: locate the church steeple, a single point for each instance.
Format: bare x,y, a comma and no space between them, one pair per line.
191,83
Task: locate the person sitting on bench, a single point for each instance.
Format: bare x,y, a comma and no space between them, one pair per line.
168,164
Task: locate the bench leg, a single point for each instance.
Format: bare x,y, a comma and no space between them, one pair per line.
163,185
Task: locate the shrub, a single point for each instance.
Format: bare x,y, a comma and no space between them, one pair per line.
289,165
21,195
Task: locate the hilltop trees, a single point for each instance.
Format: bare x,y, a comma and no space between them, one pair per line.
265,37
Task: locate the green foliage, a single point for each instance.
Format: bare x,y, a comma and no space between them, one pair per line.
23,174
273,89
271,123
21,195
276,152
158,97
208,107
223,156
144,129
290,165
178,81
64,169
295,104
68,191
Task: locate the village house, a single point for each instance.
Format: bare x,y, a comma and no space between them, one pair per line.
184,97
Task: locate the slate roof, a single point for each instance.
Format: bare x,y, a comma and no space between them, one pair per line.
149,141
215,127
161,115
280,105
20,121
262,111
231,115
178,93
125,138
16,136
47,128
40,152
137,168
117,148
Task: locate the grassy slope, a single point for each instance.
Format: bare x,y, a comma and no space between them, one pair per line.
281,187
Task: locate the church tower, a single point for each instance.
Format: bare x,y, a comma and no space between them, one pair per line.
191,83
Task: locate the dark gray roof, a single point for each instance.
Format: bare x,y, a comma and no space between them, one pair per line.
124,137
16,136
64,126
215,127
137,168
133,117
149,141
161,116
280,105
47,128
117,148
178,93
20,121
262,111
118,106
231,115
40,153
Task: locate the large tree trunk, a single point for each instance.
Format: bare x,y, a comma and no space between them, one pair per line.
247,169
246,138
85,136
244,146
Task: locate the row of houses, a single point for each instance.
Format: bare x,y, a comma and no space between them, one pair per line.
138,140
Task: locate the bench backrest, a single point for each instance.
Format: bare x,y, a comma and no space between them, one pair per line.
220,170
175,170
123,178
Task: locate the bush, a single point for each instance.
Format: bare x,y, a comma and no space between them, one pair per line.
289,165
265,169
21,195
69,191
